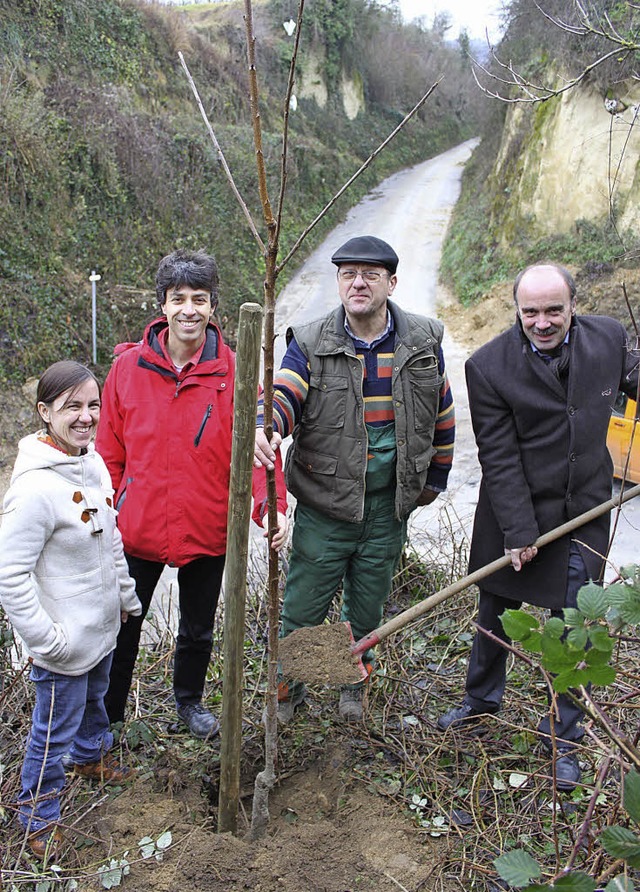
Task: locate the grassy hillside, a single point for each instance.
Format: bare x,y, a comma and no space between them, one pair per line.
107,165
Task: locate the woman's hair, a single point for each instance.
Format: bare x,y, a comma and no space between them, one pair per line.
60,377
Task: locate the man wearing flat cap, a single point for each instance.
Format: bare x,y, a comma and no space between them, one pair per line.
364,393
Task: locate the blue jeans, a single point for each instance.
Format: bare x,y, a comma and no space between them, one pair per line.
68,717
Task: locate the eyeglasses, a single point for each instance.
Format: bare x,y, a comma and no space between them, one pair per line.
369,275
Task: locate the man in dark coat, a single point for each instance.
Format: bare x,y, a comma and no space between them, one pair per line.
540,396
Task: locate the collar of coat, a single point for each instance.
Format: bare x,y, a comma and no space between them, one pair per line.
213,360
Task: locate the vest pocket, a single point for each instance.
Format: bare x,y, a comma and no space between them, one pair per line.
423,460
326,402
423,367
424,382
315,462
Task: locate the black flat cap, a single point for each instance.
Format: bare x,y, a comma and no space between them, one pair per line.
367,249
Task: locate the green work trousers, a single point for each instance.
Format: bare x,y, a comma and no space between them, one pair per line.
360,557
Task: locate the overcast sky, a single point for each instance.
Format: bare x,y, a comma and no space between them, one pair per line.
474,15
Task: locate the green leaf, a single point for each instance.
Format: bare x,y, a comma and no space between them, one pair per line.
595,657
518,625
578,638
147,847
601,675
592,601
626,600
164,840
617,593
619,884
517,867
572,617
600,639
557,657
632,794
575,882
629,571
553,628
570,678
522,742
533,644
110,874
620,842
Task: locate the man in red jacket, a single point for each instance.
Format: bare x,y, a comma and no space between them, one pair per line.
165,434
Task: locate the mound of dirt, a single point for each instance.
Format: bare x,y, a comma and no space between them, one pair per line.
327,833
320,655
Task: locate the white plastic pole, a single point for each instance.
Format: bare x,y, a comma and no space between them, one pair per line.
93,278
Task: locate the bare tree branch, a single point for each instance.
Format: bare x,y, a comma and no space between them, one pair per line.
528,91
360,170
254,100
223,160
534,92
287,106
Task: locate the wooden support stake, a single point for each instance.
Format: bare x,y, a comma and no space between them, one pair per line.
244,426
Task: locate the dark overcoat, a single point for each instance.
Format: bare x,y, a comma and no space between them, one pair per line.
543,451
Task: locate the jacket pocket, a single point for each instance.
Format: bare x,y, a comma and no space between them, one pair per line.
123,494
59,589
57,652
423,367
203,424
425,381
423,460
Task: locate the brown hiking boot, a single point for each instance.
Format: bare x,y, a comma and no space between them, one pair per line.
107,770
45,843
289,701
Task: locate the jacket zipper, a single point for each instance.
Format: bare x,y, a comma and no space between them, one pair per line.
206,417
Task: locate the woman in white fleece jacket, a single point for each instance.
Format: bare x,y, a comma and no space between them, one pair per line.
65,587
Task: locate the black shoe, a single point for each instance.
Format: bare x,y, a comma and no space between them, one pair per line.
567,772
198,720
460,716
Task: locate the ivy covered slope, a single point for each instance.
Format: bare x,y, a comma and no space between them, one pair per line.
107,164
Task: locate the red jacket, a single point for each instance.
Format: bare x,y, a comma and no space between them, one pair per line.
166,439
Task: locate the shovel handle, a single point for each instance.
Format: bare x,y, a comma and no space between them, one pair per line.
412,613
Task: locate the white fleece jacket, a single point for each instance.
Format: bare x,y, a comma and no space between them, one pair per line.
63,574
